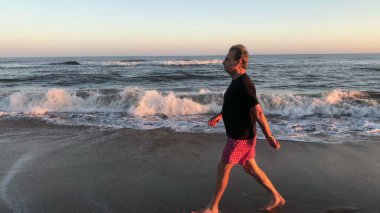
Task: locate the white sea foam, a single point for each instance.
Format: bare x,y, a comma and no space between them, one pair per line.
139,101
372,127
338,96
203,91
112,63
16,65
153,102
189,62
335,113
41,102
336,102
135,100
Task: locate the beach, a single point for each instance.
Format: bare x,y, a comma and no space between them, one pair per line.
130,106
56,168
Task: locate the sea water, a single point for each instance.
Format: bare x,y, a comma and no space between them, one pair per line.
311,98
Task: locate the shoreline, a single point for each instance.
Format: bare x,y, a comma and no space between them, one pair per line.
49,168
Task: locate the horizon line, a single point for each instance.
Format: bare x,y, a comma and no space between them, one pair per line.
269,54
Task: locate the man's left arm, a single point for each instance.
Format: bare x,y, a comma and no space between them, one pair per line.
257,114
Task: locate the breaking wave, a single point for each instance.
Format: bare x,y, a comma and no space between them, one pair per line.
336,102
296,115
137,101
141,102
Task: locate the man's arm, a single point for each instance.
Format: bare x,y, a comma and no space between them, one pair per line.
218,116
215,119
257,115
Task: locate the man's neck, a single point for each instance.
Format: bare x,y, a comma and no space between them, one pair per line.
237,74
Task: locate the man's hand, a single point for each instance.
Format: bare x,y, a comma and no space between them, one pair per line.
214,120
273,142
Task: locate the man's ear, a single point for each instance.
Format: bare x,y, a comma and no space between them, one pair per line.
238,62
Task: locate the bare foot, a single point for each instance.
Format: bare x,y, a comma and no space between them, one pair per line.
206,210
277,202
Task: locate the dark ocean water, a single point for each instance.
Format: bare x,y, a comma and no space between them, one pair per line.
312,98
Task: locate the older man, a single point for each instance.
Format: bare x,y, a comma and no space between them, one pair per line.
241,110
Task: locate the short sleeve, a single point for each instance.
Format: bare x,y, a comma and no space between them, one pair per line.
251,91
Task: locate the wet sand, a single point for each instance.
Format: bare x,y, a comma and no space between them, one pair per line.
50,168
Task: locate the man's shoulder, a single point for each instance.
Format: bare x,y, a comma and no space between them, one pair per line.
250,90
246,78
248,83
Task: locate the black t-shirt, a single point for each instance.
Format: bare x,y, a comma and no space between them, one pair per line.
239,98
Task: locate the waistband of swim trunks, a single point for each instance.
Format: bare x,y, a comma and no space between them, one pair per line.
233,139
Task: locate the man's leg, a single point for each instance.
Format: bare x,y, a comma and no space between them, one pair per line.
253,169
223,175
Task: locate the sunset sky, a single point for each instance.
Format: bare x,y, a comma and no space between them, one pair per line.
112,28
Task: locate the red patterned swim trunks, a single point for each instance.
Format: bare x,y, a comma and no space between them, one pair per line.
239,151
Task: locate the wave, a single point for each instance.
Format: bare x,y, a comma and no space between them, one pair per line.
156,77
64,79
141,102
133,60
10,80
372,127
157,63
367,68
66,63
152,102
336,102
134,100
112,63
331,116
12,61
188,62
19,66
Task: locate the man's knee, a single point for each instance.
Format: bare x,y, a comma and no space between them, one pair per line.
224,168
247,168
251,169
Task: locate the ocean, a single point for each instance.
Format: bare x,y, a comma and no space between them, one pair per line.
330,98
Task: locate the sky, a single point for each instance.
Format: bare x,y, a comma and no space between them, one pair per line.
178,27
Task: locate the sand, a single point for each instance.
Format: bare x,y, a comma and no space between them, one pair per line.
51,168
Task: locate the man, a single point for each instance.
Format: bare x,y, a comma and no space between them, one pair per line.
241,110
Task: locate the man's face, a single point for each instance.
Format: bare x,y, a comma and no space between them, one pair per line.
230,63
